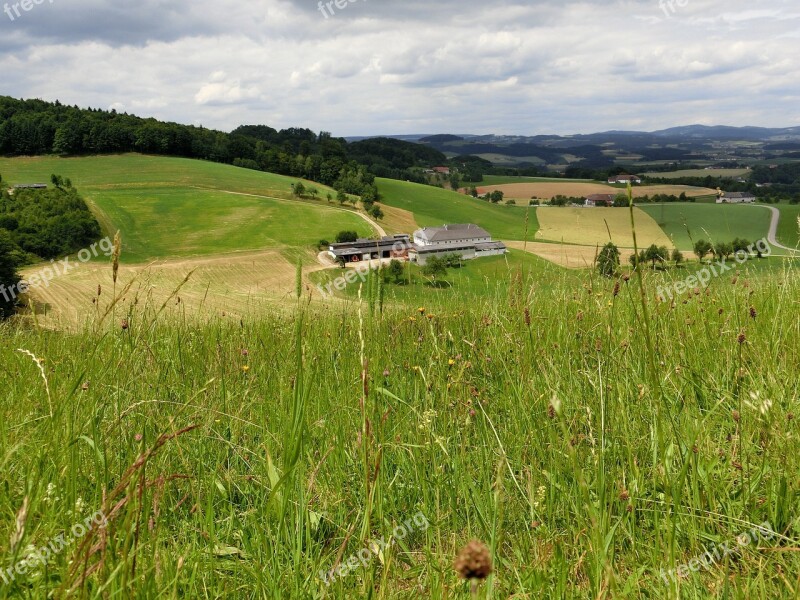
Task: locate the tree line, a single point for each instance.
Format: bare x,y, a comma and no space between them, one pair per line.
40,224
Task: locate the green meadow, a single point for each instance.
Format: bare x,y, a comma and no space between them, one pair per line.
171,207
684,222
434,207
593,441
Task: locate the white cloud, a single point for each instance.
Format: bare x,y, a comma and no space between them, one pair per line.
413,66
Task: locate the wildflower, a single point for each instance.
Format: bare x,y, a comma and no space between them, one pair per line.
736,416
624,495
412,319
124,324
85,386
741,338
474,561
386,372
245,352
451,362
421,310
753,313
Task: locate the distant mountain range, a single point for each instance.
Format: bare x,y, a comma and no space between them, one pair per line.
686,132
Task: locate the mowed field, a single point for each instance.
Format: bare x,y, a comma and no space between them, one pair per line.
592,226
177,216
789,226
547,190
433,207
686,223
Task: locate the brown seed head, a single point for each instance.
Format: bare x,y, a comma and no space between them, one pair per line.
474,561
736,416
753,313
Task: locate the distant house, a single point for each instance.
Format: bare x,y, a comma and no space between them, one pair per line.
625,178
442,170
467,240
600,200
736,198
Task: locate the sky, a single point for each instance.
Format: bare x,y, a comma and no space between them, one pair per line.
407,67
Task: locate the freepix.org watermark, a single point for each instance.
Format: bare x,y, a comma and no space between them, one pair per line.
41,557
56,269
670,7
13,10
704,276
717,553
366,555
325,7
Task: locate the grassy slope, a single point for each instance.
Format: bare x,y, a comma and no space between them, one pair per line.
434,206
156,203
475,279
788,226
651,456
720,223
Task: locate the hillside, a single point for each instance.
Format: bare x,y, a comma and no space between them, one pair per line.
434,206
168,207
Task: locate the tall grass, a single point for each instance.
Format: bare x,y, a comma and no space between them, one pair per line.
242,457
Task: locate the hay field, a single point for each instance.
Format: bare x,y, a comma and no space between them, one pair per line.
547,190
229,285
590,226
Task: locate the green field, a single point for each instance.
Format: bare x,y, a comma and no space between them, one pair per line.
433,206
177,207
475,279
179,222
714,222
699,173
788,226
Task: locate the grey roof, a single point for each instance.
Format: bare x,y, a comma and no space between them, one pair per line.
483,246
442,249
449,233
739,195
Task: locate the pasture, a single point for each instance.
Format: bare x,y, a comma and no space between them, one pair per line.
686,223
789,227
592,441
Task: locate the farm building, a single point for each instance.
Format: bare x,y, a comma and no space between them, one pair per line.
600,200
442,170
28,186
392,246
467,240
625,178
736,198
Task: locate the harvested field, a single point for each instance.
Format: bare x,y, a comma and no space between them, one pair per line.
591,226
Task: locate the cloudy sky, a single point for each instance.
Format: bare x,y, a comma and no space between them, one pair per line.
411,66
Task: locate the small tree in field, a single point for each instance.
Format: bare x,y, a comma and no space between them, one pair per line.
395,270
435,267
346,236
677,257
608,260
298,189
702,248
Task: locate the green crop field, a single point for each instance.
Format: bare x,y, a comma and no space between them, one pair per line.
713,222
433,206
178,207
789,226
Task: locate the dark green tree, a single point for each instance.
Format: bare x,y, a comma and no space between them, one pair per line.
608,260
